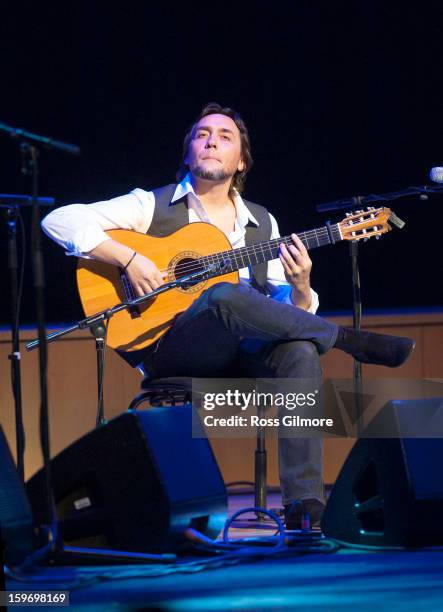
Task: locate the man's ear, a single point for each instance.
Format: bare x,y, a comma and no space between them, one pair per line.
241,166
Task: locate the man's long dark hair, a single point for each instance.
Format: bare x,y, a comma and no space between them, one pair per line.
213,108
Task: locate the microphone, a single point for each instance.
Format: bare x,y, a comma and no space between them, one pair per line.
436,174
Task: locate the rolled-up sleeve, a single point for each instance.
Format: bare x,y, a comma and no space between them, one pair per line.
79,228
277,285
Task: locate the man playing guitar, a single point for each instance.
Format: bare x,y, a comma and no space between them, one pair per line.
263,326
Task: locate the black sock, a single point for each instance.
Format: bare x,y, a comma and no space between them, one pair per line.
347,339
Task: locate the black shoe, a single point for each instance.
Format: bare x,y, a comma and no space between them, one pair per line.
378,349
303,514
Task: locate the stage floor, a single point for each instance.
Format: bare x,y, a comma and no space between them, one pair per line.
346,579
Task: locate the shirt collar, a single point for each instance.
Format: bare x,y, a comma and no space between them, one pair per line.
244,215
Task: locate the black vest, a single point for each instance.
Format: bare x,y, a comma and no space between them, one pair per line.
169,217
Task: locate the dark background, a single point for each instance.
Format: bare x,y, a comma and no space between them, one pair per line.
341,98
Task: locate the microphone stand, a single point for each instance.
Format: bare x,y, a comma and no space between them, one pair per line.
104,315
44,141
29,144
11,204
356,323
30,154
348,204
97,323
374,198
15,356
99,332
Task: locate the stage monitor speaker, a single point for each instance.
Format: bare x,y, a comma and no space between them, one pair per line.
389,492
136,484
16,523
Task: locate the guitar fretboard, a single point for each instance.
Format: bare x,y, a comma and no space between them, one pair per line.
266,251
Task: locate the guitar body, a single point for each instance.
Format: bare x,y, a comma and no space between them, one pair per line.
102,286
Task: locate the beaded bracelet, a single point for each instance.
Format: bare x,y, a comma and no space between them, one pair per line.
132,257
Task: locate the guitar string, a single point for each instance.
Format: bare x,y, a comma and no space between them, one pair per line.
246,252
252,250
240,254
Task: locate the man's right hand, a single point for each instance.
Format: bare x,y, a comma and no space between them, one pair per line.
142,272
144,275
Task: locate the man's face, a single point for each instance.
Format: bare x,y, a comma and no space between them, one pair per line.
214,151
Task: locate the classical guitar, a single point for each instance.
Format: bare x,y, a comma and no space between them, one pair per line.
193,247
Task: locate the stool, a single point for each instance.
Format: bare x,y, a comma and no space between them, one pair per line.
177,391
158,391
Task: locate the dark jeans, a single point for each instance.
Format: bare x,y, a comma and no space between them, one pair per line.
233,330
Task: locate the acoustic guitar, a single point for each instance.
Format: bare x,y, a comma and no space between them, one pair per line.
192,248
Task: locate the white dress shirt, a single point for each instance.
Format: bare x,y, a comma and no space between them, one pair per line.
79,228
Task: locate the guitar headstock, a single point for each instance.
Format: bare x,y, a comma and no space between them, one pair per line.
364,224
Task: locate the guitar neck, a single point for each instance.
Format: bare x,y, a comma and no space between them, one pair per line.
266,251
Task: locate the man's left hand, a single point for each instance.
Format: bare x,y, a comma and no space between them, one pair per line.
297,266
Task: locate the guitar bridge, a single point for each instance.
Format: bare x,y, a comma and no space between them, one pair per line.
128,290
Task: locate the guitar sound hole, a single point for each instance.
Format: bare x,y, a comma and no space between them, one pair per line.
188,266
